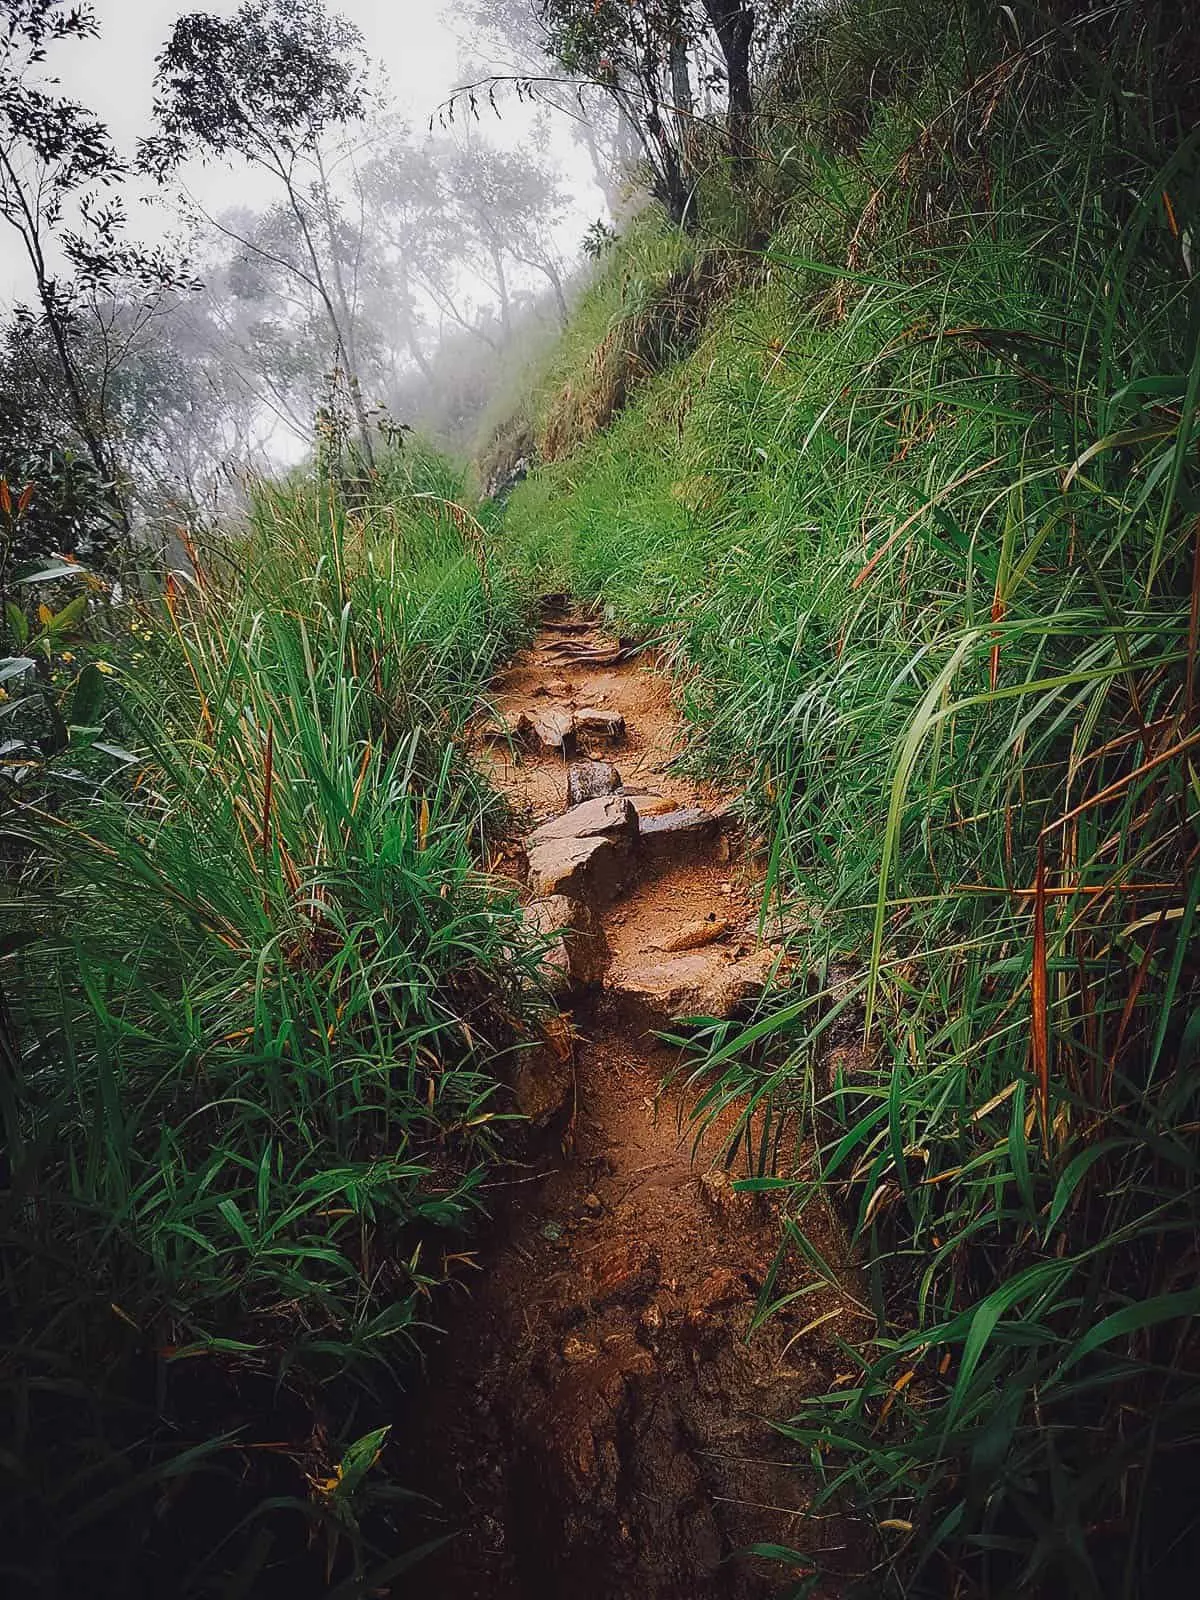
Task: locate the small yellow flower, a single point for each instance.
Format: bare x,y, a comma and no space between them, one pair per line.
103,666
67,656
3,694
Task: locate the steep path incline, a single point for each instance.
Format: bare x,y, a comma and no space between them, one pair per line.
596,1422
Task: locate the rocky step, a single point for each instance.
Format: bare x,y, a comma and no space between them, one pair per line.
574,949
591,850
587,853
684,830
557,729
588,779
654,993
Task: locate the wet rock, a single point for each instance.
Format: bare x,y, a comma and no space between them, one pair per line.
587,853
627,1270
588,779
695,935
552,729
677,832
578,951
598,724
542,1084
721,1289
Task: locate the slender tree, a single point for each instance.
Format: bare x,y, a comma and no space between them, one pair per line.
267,84
55,159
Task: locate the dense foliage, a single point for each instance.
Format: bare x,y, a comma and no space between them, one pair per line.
260,1004
894,451
917,521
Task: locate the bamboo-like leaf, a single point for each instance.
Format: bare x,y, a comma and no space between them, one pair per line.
1039,998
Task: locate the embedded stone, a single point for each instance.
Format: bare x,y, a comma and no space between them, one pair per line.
577,949
586,853
596,723
542,1084
701,983
679,830
553,729
721,1289
738,983
625,1270
694,935
504,730
586,780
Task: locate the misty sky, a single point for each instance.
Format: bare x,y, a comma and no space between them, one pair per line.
419,43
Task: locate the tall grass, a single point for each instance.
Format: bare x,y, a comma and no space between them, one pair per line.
918,521
260,1048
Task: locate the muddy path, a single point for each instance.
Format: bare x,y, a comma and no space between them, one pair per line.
597,1420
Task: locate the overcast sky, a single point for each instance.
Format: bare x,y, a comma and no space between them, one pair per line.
419,43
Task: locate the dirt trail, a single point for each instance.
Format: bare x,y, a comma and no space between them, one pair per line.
597,1420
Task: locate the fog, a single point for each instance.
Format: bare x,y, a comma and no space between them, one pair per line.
395,272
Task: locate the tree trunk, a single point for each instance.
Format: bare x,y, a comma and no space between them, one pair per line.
606,170
674,190
410,332
97,447
733,24
550,272
683,106
497,256
339,336
350,344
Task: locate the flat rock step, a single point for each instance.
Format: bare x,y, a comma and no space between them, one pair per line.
667,833
552,729
593,655
571,625
556,729
586,853
698,983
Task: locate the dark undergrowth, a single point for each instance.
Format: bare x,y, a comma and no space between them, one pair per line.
918,521
261,1007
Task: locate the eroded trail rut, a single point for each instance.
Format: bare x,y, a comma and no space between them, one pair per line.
597,1421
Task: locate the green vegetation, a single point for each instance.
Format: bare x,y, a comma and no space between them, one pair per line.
895,455
263,1001
916,521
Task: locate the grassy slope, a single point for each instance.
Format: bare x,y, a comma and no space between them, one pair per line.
917,517
262,1035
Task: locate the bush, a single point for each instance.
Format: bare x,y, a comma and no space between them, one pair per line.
917,522
253,1077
